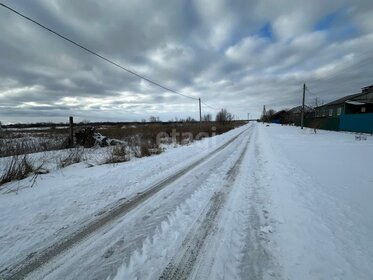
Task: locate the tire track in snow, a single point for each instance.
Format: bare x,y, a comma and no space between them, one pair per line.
241,246
131,248
181,266
38,259
257,260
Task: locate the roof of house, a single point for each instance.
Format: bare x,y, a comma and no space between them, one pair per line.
279,113
298,109
343,99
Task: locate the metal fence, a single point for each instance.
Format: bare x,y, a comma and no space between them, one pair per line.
322,123
357,122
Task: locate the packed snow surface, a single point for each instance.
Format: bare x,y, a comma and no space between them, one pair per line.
320,188
61,199
276,203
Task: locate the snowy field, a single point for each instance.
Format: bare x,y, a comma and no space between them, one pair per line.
258,202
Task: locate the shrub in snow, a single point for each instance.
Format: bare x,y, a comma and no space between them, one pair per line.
75,155
16,168
141,147
88,137
85,137
117,154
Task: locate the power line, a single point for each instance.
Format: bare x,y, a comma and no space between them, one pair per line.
340,70
314,95
308,90
211,107
342,67
347,83
96,54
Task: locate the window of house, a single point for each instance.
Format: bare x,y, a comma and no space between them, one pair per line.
339,111
330,112
363,109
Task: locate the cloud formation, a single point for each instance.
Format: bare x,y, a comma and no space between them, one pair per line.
240,55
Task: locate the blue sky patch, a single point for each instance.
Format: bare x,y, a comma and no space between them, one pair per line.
339,24
326,22
266,31
346,32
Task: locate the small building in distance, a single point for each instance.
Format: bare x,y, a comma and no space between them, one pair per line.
280,117
295,114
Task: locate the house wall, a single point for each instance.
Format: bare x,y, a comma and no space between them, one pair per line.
334,110
359,109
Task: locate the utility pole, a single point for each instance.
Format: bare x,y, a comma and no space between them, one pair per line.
302,113
200,110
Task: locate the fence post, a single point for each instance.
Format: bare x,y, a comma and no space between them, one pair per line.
71,130
302,113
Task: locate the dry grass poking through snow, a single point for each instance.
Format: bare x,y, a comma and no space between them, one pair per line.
134,140
75,155
149,131
16,168
32,141
117,154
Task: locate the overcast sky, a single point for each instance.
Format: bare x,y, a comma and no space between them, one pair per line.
239,55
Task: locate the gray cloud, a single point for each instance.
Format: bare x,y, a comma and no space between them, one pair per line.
239,55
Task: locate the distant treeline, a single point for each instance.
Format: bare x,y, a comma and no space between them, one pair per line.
54,125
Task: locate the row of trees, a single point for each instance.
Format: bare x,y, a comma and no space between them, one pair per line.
267,115
223,116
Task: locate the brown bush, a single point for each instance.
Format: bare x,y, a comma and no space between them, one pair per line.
16,168
117,154
75,155
148,148
150,131
141,147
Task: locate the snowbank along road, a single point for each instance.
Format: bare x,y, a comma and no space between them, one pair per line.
256,204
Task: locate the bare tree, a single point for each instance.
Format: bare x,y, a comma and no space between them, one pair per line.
189,119
267,117
207,118
224,116
316,122
153,119
317,102
270,113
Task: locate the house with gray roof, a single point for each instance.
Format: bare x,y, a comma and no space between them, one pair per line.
350,113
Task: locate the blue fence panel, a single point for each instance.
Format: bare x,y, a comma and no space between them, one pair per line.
357,122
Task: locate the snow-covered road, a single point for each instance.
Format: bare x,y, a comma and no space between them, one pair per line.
102,253
61,200
255,203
